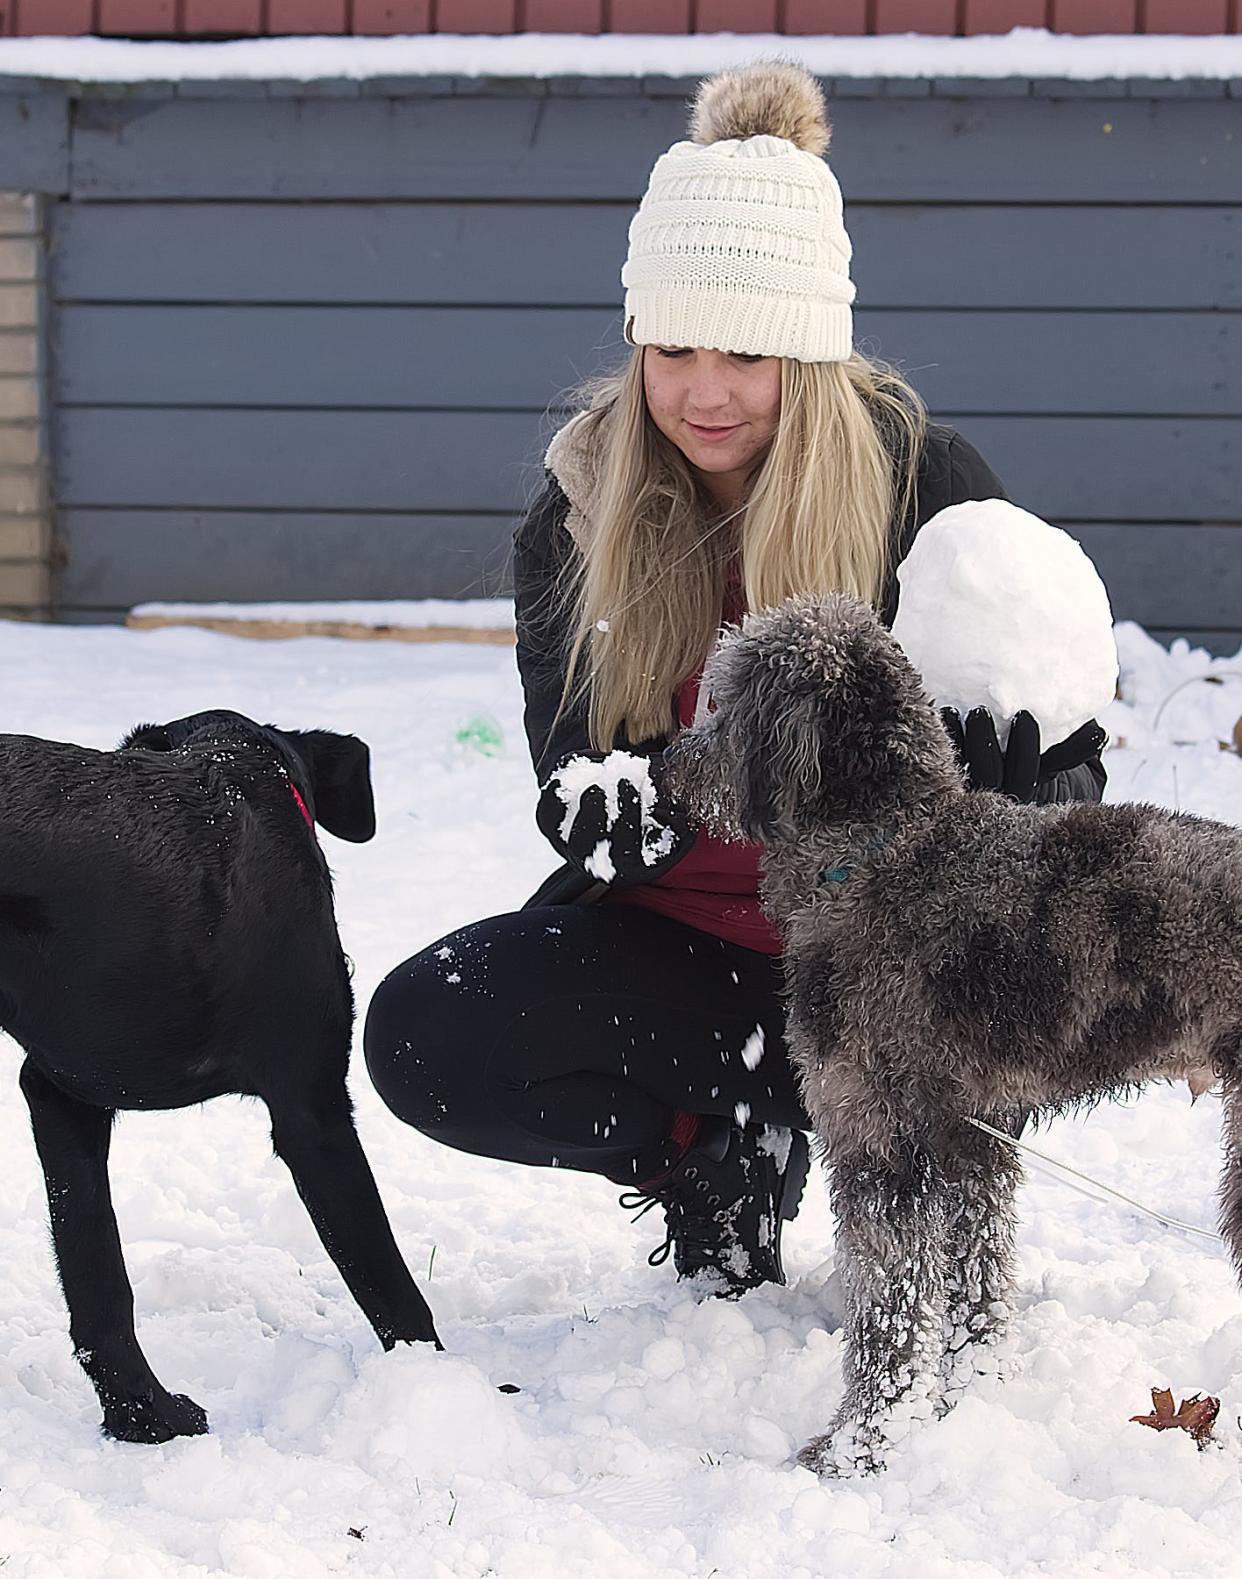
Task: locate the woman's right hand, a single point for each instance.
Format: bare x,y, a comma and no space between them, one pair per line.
607,815
1019,770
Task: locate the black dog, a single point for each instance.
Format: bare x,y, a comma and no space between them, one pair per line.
167,935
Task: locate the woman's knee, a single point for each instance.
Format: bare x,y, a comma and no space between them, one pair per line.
418,1043
447,1035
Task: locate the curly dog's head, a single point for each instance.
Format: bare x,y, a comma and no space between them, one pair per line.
819,720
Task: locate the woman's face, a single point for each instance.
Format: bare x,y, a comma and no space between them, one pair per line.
720,409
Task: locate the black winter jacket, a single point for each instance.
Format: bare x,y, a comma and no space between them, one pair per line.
951,471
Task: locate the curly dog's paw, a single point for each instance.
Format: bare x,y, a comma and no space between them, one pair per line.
838,1455
972,1362
818,1457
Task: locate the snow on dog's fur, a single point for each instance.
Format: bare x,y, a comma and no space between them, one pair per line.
949,956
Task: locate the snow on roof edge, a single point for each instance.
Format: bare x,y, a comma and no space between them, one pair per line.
1025,52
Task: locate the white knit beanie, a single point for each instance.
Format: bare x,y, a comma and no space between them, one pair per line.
740,243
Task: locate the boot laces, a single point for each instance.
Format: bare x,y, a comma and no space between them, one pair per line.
688,1222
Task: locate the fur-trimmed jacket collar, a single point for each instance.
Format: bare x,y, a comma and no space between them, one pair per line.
573,459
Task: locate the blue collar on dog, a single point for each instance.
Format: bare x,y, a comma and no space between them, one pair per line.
838,874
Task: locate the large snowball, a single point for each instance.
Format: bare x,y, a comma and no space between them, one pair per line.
998,609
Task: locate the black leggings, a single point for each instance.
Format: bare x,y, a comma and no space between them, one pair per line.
569,1036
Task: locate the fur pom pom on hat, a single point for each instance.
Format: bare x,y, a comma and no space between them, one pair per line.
739,243
769,100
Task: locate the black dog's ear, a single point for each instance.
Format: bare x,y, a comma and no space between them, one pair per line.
147,737
339,769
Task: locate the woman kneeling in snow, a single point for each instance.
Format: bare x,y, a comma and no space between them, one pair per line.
628,1021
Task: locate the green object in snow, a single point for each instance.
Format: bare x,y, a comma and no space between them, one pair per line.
482,734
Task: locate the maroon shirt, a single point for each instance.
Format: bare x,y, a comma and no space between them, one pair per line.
715,885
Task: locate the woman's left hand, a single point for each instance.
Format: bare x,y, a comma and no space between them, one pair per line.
606,813
1016,771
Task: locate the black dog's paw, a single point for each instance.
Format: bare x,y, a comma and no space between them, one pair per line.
154,1418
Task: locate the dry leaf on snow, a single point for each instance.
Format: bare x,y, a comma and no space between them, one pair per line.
1196,1415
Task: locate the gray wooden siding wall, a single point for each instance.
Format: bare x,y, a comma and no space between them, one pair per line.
304,341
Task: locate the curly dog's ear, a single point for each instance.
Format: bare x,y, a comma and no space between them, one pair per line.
775,720
756,797
719,765
784,743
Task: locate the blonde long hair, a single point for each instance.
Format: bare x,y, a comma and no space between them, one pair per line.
646,591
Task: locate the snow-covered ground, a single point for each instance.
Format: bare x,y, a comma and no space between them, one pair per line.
652,1435
430,613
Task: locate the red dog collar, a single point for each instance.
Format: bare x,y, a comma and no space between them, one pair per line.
310,821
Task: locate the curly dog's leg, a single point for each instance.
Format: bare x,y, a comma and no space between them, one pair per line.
1229,1056
984,1175
891,1253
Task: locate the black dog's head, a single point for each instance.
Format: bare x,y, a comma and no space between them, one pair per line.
332,772
819,720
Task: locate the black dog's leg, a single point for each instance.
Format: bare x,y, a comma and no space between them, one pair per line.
72,1140
984,1175
891,1252
317,1141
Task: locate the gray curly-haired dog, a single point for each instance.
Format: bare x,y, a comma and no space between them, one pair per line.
949,956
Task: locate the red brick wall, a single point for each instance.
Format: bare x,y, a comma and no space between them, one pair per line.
242,18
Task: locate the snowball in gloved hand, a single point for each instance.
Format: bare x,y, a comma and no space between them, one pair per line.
998,609
605,813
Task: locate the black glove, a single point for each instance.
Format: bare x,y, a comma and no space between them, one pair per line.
621,843
1018,770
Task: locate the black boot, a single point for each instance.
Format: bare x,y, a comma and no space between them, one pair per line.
725,1202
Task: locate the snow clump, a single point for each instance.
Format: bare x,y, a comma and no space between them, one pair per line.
1000,610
